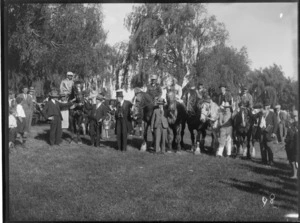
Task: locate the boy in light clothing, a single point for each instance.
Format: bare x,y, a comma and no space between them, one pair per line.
225,121
12,125
21,119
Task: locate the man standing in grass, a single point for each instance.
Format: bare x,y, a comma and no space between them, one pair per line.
159,125
52,111
269,124
28,108
123,122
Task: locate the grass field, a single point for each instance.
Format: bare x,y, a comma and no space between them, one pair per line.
80,182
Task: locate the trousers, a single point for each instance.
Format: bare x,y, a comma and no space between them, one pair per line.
55,131
225,140
122,133
95,132
266,150
160,139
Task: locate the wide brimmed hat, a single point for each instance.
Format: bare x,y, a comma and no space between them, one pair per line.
278,106
223,85
54,94
161,101
100,97
69,73
226,104
120,94
137,90
258,106
207,98
267,103
62,95
25,87
31,89
153,76
243,104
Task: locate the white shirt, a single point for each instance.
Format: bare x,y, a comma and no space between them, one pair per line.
53,101
98,105
12,122
121,103
20,111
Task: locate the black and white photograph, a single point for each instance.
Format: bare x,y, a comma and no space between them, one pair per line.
150,111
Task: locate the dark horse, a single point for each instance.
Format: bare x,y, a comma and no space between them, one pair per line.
176,115
78,115
242,125
193,106
142,110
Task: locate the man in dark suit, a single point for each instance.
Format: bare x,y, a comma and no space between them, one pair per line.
269,125
159,125
123,121
97,115
52,112
27,104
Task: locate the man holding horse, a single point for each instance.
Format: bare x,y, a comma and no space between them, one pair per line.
96,117
123,121
225,124
67,84
154,89
269,125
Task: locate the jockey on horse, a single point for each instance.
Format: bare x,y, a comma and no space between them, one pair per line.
67,85
154,89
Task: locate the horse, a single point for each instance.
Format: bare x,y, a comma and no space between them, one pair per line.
210,113
193,107
142,110
78,117
176,115
242,125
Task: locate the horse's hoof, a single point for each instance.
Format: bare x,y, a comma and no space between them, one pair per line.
197,151
80,143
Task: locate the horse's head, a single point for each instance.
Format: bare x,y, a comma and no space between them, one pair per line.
205,111
244,114
136,111
192,103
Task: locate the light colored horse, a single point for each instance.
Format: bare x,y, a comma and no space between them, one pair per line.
210,113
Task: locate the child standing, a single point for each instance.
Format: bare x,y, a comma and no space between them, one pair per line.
12,125
20,116
159,125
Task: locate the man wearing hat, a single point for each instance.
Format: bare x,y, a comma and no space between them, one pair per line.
67,84
282,119
27,104
123,121
154,89
159,125
225,123
52,111
224,96
246,97
201,91
269,125
97,115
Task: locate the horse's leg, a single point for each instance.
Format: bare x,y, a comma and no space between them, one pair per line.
178,137
192,138
182,134
202,142
248,144
144,144
170,139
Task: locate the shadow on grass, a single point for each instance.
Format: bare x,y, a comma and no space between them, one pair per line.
284,188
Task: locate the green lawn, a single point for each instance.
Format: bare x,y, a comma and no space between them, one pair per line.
80,182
